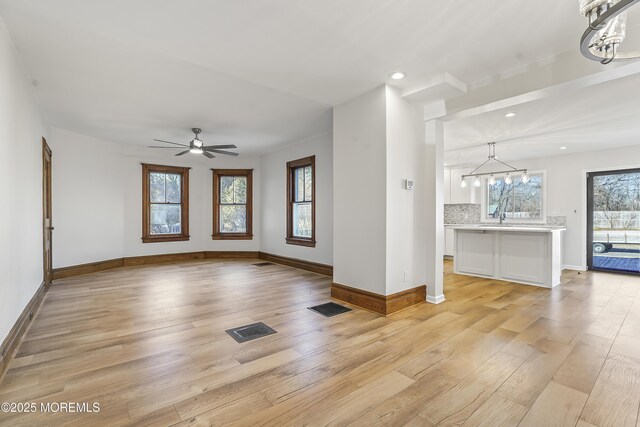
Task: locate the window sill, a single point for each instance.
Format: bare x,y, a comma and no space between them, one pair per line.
301,242
232,236
160,239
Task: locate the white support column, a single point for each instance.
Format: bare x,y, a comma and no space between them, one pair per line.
434,196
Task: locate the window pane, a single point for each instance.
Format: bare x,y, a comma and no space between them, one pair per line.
299,184
173,188
302,220
233,219
156,182
500,199
165,219
226,189
307,184
528,198
240,189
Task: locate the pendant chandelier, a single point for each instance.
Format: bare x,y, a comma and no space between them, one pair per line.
508,179
606,31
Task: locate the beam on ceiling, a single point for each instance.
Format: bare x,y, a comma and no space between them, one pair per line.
563,74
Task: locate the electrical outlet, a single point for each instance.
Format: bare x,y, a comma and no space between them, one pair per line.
406,276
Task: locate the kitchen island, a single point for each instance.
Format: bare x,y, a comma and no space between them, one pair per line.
531,255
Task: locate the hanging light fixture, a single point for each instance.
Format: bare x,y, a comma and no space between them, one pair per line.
606,31
507,179
492,180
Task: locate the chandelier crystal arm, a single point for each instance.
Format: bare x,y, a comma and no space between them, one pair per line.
492,156
476,169
507,165
599,53
493,173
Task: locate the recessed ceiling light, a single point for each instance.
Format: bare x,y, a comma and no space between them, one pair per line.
563,148
397,75
509,115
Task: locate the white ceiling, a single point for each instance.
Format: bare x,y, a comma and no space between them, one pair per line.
599,117
262,73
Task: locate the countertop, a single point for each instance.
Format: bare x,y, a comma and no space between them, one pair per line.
507,227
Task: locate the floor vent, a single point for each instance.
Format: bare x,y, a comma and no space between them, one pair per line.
250,332
263,264
329,309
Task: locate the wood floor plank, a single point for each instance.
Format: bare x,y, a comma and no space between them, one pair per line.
497,411
149,344
557,405
615,398
581,369
457,404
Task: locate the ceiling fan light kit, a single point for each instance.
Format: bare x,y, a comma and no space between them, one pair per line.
508,179
606,31
196,146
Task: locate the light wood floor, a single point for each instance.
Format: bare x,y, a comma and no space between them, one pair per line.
148,344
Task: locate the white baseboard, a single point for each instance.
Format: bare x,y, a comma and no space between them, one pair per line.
435,300
574,267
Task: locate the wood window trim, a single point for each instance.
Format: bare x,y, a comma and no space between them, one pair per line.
147,237
217,174
291,167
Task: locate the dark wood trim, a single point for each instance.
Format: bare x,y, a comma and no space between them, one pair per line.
231,254
590,203
314,267
91,267
147,237
158,259
217,174
11,342
291,166
47,231
382,304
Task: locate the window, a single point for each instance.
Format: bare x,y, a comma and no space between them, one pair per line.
301,205
518,201
232,206
165,203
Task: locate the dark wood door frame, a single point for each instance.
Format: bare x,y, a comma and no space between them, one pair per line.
590,176
47,225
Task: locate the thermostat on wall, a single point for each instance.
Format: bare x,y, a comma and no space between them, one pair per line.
408,184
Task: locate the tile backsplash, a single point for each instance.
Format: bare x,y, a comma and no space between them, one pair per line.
462,213
470,213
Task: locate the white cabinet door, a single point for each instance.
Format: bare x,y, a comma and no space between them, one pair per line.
523,257
474,253
448,241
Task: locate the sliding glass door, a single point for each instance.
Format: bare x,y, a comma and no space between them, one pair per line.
613,221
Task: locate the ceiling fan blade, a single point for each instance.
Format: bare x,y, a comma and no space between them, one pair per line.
211,156
182,152
228,153
169,142
220,146
159,146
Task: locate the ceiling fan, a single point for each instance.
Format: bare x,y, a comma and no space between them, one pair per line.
196,146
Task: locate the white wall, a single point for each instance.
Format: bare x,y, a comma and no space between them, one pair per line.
359,196
566,182
21,130
273,192
406,216
87,184
97,200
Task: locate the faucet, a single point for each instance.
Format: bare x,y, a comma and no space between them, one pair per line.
503,217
